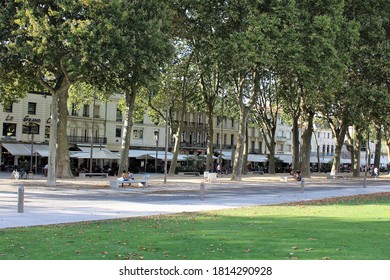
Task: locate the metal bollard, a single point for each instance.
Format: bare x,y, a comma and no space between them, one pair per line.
20,199
201,191
302,185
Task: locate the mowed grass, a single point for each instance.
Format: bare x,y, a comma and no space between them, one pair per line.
353,228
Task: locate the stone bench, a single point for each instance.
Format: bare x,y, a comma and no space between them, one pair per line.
189,173
335,176
286,178
83,175
117,183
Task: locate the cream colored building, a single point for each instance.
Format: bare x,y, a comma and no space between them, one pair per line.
25,132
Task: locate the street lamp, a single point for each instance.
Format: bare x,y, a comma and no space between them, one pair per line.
156,134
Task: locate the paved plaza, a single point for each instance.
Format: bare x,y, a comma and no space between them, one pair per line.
85,199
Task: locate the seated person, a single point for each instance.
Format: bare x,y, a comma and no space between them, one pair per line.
298,176
125,176
131,175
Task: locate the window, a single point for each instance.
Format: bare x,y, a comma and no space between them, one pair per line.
138,134
200,119
74,110
96,111
30,128
9,129
118,115
86,110
32,108
118,132
7,107
47,131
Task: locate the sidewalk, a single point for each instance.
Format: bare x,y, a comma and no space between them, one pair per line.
77,200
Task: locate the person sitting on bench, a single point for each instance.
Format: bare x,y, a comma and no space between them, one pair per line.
125,176
298,176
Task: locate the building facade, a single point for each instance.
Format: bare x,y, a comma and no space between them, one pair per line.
25,127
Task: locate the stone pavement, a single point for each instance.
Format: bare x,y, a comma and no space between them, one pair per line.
85,199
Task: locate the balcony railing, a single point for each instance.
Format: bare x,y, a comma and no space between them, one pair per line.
87,139
193,145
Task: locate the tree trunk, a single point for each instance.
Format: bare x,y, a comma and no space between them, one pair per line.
378,147
306,147
210,134
126,133
245,154
51,174
63,159
356,148
238,158
295,144
176,149
176,136
340,136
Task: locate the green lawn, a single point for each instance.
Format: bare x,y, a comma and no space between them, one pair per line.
349,229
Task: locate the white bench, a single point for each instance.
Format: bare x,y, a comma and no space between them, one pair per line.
143,182
189,173
286,178
335,176
83,175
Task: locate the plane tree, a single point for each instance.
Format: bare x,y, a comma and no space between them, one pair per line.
49,46
370,68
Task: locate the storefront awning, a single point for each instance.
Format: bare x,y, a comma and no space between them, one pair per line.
19,149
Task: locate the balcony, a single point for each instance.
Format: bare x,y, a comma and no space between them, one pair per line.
281,138
224,146
86,139
192,145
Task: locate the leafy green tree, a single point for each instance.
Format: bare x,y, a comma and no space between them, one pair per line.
266,113
370,67
246,52
143,42
50,45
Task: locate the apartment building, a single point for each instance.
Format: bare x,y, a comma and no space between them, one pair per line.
26,129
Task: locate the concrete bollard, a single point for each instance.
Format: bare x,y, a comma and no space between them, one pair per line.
201,191
20,199
302,185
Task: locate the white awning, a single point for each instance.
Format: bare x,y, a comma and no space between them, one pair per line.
19,149
42,150
142,154
257,158
97,153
